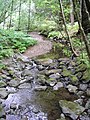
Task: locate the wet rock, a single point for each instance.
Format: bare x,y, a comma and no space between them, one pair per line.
58,85
88,92
27,72
13,83
55,76
79,101
84,117
3,92
40,88
80,93
27,79
11,89
87,106
71,109
72,89
2,83
83,87
25,85
35,110
13,117
40,67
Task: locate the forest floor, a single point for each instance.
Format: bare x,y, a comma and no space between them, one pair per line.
43,46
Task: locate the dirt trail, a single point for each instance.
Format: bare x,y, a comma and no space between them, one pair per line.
43,46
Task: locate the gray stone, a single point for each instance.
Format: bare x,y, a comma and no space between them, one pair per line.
55,76
11,89
83,87
88,92
87,106
25,85
71,109
3,92
79,101
14,83
58,85
72,89
39,88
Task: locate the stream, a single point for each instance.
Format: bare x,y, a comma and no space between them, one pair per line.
32,89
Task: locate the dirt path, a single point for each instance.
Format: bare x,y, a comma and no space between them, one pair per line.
42,47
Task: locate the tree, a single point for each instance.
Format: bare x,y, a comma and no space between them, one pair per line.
71,12
85,12
64,22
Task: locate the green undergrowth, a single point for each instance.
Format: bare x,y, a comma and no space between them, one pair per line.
14,41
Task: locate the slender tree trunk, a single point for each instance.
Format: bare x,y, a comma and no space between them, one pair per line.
11,14
86,42
29,11
19,15
64,22
71,13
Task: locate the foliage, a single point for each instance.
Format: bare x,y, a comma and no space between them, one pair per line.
12,41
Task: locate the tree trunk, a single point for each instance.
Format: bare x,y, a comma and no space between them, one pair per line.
29,11
19,15
11,14
67,33
71,12
85,15
86,42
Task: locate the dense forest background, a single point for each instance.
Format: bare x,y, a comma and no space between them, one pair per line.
56,19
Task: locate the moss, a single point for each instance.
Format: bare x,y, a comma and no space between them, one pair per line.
66,72
71,106
74,79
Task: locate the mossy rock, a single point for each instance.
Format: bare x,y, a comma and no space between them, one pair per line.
86,76
80,68
74,79
71,109
66,72
2,83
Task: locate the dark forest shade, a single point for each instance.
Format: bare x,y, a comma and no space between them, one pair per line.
85,16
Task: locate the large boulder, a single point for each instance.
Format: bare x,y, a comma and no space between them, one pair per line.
71,109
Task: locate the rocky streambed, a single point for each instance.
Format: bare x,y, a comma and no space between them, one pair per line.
44,89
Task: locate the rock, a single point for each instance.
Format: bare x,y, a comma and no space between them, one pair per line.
52,83
79,101
53,71
87,106
45,61
40,67
86,77
2,112
74,79
25,85
3,92
80,68
27,72
88,92
72,89
71,109
11,89
58,85
66,72
55,76
14,83
40,88
2,83
27,79
83,87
